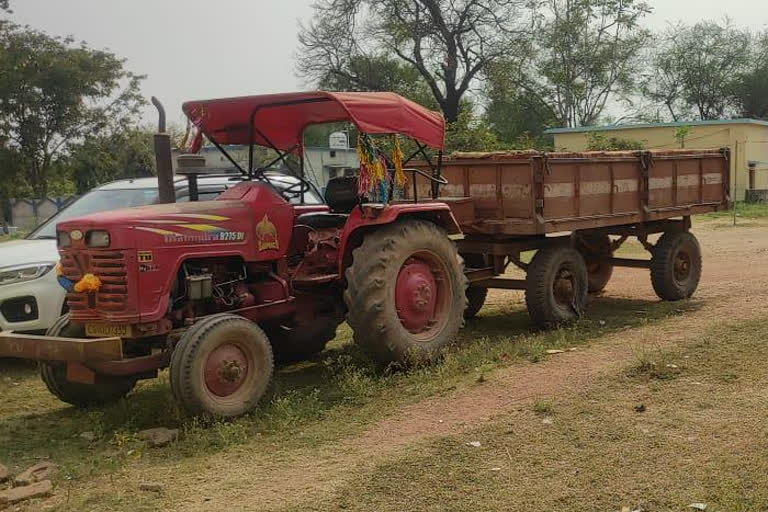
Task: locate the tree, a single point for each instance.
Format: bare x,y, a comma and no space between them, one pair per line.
696,70
598,142
380,73
752,86
584,55
516,115
53,93
448,42
120,155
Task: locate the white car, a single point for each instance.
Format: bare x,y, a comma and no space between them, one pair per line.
31,298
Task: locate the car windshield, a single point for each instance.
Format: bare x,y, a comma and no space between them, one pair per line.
93,202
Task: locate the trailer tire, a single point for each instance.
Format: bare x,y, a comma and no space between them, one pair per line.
676,266
406,292
221,366
291,346
556,286
54,374
595,249
476,295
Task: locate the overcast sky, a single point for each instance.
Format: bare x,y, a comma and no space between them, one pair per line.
195,49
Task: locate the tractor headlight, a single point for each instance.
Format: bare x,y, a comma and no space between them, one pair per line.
63,239
26,272
97,239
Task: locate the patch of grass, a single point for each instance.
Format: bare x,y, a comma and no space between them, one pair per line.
654,363
693,441
743,210
543,407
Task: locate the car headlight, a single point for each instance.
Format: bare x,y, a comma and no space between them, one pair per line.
22,273
63,239
97,239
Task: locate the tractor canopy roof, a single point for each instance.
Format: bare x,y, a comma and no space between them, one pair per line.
278,120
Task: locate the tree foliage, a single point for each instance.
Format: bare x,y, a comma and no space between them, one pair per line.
121,155
447,42
752,87
584,53
696,70
54,93
599,142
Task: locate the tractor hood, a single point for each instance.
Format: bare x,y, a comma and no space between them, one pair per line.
177,223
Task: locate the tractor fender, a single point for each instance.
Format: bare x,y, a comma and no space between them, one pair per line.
368,217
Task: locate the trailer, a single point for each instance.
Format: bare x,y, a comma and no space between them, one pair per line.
217,291
567,207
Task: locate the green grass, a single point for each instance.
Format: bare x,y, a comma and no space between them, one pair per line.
627,441
310,404
743,210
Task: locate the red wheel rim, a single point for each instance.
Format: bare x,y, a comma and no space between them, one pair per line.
225,370
422,295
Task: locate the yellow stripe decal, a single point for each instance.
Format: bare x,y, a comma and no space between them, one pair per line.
207,228
198,216
159,231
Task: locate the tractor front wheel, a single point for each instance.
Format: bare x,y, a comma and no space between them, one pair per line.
106,389
221,366
406,292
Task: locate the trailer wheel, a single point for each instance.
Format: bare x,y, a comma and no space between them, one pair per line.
676,266
556,286
406,292
301,343
54,374
221,366
476,295
595,249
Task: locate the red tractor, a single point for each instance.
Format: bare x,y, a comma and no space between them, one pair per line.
216,290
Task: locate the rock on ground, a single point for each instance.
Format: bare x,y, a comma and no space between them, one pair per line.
27,492
158,437
37,473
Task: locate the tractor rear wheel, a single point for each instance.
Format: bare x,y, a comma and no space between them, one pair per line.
221,366
596,249
676,266
54,374
406,292
556,286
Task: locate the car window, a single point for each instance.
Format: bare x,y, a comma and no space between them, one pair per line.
208,195
93,202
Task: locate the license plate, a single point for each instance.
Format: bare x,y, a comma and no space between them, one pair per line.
105,330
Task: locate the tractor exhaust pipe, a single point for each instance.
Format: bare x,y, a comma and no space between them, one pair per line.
163,157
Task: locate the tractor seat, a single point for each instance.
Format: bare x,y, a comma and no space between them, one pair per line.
341,197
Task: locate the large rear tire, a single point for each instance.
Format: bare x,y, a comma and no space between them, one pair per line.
406,292
556,286
676,266
54,374
221,366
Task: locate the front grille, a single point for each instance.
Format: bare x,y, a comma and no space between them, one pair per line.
111,269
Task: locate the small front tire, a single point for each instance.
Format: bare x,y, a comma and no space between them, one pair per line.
54,374
221,366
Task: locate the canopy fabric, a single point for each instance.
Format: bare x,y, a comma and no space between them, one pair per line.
280,119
